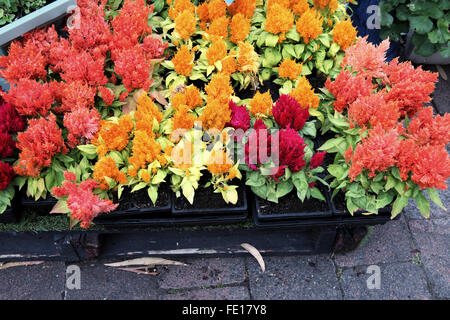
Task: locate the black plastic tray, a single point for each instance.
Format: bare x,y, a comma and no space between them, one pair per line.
290,216
41,207
10,215
385,212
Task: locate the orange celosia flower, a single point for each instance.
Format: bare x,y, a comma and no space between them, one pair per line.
193,97
145,175
202,12
146,111
217,51
279,19
299,7
113,136
424,129
247,58
304,94
246,7
239,28
178,100
179,6
344,34
219,28
182,120
261,104
229,65
106,167
322,4
145,150
431,167
185,24
309,25
283,3
183,61
216,9
289,69
216,114
219,162
219,88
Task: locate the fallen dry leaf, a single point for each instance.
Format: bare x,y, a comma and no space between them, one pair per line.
255,253
18,264
140,270
144,262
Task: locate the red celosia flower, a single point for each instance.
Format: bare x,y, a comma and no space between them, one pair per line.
7,145
291,149
378,152
107,95
10,121
85,67
279,171
84,205
317,159
424,129
411,88
38,144
240,117
154,47
6,175
374,110
82,124
406,157
347,88
44,40
72,95
288,113
134,69
30,97
431,167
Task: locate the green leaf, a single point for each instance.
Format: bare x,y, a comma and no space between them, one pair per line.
315,193
88,149
283,188
310,129
390,183
153,193
293,35
139,186
384,199
441,33
398,205
434,196
423,204
260,191
271,40
334,145
421,24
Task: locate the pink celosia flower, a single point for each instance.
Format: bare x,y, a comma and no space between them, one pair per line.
82,124
154,47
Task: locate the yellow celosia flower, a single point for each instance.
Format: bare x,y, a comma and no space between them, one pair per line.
185,24
289,69
247,58
304,94
309,25
239,28
183,61
261,104
344,34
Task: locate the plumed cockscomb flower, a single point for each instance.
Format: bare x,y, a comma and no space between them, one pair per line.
6,175
30,98
82,124
304,94
72,95
346,88
202,12
178,6
431,167
240,117
83,204
7,145
289,69
299,7
217,51
317,159
38,144
10,121
154,46
106,167
288,113
279,19
219,88
107,95
183,61
84,67
113,136
218,28
247,58
215,115
291,149
426,129
261,104
185,24
193,97
344,34
246,7
134,68
258,145
216,9
309,25
239,28
22,62
367,58
322,4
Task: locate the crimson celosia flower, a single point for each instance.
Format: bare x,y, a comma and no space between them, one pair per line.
240,117
107,95
6,175
82,124
7,145
317,159
347,88
288,113
38,144
30,98
84,205
291,149
10,121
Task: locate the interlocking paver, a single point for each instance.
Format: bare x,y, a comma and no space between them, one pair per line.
227,293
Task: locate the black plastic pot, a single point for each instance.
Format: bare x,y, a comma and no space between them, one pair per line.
10,215
41,206
289,208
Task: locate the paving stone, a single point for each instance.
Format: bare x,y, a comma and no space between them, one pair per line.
390,242
202,273
294,278
441,95
44,281
411,211
226,293
433,240
399,281
99,282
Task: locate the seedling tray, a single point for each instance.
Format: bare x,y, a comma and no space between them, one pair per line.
383,212
41,206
